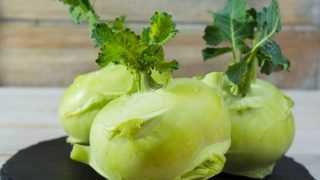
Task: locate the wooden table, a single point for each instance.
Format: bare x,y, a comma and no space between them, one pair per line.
29,115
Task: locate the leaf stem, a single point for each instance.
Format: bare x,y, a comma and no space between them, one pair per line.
138,82
274,29
253,71
234,47
252,63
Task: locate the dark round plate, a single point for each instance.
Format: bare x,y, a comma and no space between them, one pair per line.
50,160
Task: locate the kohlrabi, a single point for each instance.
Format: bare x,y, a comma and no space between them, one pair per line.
177,129
178,132
89,93
262,126
261,118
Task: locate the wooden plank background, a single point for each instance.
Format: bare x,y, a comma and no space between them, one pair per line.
41,46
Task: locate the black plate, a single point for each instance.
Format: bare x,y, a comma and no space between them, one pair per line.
50,160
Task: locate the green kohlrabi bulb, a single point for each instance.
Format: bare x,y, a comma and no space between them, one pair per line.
262,126
87,95
174,133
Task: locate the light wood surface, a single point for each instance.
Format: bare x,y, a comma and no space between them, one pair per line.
29,115
191,11
30,55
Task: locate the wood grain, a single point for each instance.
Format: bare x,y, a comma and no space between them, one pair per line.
190,11
34,114
306,112
44,67
38,39
30,135
35,123
318,65
32,54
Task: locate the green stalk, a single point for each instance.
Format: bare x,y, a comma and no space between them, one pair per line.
145,82
138,81
252,61
253,76
234,47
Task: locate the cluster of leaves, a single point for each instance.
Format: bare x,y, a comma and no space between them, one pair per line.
141,54
237,25
120,45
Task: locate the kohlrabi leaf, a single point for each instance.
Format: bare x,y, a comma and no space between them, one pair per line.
126,48
120,45
237,71
268,23
119,23
271,59
162,29
212,35
232,24
71,2
78,14
214,52
100,35
235,24
167,66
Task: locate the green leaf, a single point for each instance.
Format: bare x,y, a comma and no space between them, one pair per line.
212,36
267,67
233,23
239,74
153,53
119,47
271,59
237,71
268,23
125,47
78,14
214,52
167,66
103,60
243,47
99,35
119,23
162,29
70,2
253,13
